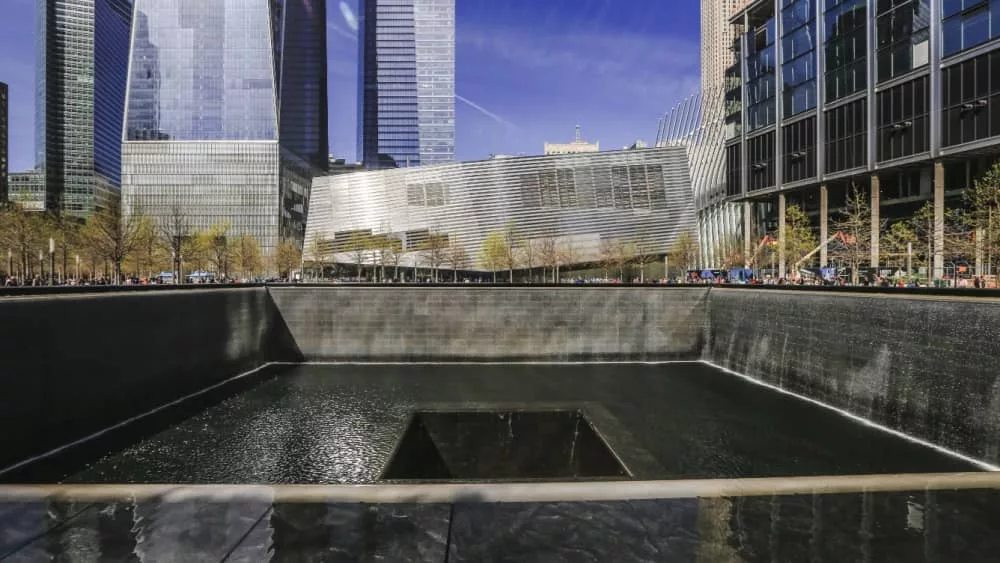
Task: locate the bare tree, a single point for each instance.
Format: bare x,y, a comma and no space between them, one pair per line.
175,230
684,251
855,224
358,245
529,250
608,254
456,257
220,248
645,254
494,253
113,236
319,252
566,255
510,248
435,250
548,254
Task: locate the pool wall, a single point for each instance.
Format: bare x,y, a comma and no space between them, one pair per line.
928,366
75,364
501,324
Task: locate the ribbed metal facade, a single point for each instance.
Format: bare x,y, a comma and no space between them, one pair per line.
641,196
698,124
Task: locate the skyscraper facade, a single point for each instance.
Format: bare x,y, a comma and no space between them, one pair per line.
407,69
716,42
4,131
895,101
81,62
226,115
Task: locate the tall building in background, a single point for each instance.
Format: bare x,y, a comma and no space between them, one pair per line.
81,70
716,41
407,81
4,132
226,116
577,146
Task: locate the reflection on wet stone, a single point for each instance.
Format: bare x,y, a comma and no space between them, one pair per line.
359,532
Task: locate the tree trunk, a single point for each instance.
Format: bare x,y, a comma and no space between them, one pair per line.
455,272
494,276
512,275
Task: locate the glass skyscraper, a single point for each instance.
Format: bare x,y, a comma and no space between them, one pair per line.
226,116
3,143
407,69
82,58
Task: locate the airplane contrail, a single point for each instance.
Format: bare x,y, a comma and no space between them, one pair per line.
485,111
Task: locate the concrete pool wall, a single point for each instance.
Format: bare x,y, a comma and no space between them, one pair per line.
71,365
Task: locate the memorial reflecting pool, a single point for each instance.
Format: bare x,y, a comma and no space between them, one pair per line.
328,424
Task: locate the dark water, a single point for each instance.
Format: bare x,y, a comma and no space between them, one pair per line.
340,424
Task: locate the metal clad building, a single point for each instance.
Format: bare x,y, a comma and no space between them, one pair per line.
640,196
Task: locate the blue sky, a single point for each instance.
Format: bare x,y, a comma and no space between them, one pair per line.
535,69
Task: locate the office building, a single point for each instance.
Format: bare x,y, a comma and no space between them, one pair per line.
4,152
576,146
81,69
580,201
27,189
716,41
407,80
899,99
226,115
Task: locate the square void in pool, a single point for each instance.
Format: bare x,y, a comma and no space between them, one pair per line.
502,445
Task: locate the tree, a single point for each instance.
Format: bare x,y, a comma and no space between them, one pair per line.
65,232
799,238
435,249
510,249
566,255
855,222
898,240
728,253
608,254
528,248
287,257
955,230
247,256
684,251
318,253
21,233
358,245
644,255
456,258
198,250
984,211
220,248
150,249
494,253
548,255
175,229
113,236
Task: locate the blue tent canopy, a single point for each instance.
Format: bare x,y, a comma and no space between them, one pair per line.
165,275
707,275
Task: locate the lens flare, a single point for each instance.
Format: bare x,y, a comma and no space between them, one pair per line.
349,17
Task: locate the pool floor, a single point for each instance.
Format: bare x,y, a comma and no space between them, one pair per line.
327,424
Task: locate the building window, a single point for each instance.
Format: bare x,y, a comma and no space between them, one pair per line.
734,170
798,57
761,76
902,120
846,137
968,23
970,98
799,150
760,157
846,48
902,36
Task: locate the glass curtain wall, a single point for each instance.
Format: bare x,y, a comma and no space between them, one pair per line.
760,61
902,35
967,23
798,56
846,48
